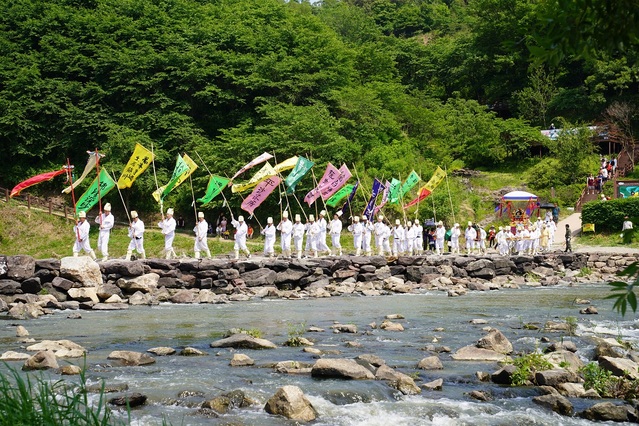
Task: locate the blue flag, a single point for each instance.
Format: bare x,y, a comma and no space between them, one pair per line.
350,198
370,207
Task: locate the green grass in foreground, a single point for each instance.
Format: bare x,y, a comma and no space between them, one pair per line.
604,240
27,400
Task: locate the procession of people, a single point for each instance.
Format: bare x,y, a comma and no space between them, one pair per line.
399,238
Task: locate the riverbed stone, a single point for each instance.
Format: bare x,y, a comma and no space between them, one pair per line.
161,351
391,326
504,376
133,400
70,370
430,363
131,358
23,311
63,347
84,294
14,356
20,267
435,385
81,269
554,377
557,403
241,360
565,359
473,353
345,328
244,341
290,402
607,411
620,366
139,298
495,341
184,296
146,283
340,368
42,360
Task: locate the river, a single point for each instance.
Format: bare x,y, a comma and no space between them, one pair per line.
338,402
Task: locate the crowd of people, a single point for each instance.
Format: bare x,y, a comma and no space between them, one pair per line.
381,237
606,172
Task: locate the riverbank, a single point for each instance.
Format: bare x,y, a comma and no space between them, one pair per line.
30,287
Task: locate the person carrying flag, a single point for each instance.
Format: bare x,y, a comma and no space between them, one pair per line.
81,231
286,229
201,229
269,238
136,233
335,228
358,230
240,236
168,230
106,221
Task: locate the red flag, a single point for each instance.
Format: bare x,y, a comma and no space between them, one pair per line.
35,180
422,194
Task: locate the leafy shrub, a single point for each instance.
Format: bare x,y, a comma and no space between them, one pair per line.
295,332
609,216
527,365
607,385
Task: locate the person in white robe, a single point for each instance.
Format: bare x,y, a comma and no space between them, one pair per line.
106,221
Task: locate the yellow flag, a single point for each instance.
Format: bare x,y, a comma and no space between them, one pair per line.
588,227
264,173
138,163
286,165
192,166
435,180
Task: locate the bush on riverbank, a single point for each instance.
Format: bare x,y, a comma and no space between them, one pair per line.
37,401
609,216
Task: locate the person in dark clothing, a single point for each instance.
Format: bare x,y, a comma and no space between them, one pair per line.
568,239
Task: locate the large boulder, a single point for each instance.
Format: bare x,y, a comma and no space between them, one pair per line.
10,287
146,283
81,269
555,377
290,402
495,341
430,363
184,296
20,267
43,360
244,341
473,353
555,402
620,366
134,400
131,358
60,348
14,356
397,380
25,311
3,306
340,368
290,275
84,294
607,411
259,277
123,268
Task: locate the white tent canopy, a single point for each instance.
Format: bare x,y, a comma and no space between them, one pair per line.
519,196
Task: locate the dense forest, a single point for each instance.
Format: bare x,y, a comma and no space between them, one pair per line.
385,86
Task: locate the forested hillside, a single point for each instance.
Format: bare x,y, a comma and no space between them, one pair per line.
387,86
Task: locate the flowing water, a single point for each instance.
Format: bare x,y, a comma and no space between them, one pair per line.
338,402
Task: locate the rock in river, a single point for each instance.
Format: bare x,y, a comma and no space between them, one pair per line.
243,341
290,402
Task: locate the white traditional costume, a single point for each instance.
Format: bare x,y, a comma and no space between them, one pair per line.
168,229
286,229
269,238
106,221
335,229
358,232
81,231
201,229
240,236
136,233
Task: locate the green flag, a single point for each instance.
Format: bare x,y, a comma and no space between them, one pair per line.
339,195
215,186
181,167
301,168
90,197
409,183
393,192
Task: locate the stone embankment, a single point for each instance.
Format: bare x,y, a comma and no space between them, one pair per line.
30,287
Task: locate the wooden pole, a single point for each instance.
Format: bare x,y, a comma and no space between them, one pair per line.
29,201
126,210
450,198
156,182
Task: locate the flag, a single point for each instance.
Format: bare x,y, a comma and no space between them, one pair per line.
350,197
259,194
369,211
266,171
92,195
161,192
332,187
138,163
302,167
588,227
287,164
384,198
330,174
412,180
215,186
262,158
393,192
181,168
429,187
91,162
339,195
35,180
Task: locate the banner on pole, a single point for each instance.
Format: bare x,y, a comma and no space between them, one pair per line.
92,195
266,171
140,160
215,186
339,195
287,164
260,193
302,167
332,187
410,182
91,162
429,187
350,198
36,180
393,192
369,211
330,175
254,162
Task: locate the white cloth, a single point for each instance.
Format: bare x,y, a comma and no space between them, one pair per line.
410,239
455,233
240,235
136,233
470,234
335,229
286,229
269,239
357,230
105,231
398,237
627,224
201,230
321,237
440,234
419,238
368,235
81,231
312,235
379,230
168,229
298,235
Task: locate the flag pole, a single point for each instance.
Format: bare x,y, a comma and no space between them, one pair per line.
155,176
75,215
193,197
97,167
221,189
315,182
126,210
401,198
452,210
242,197
419,193
279,186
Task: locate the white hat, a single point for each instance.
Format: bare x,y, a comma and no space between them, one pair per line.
82,214
240,218
355,218
501,228
311,218
416,221
107,207
134,214
285,214
200,215
380,217
269,220
298,218
398,222
323,213
470,223
339,213
456,225
364,217
440,223
169,211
